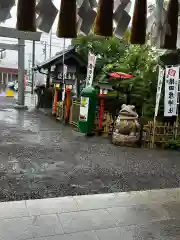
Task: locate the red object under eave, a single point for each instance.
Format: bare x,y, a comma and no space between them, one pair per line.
120,75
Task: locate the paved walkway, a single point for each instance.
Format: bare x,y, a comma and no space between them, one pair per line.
40,158
127,216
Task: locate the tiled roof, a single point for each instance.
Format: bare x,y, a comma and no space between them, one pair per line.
45,64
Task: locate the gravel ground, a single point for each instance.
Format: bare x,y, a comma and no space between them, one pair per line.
40,158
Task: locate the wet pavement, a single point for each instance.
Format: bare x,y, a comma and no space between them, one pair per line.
148,215
40,158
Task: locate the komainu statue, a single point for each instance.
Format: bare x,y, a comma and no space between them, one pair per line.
127,128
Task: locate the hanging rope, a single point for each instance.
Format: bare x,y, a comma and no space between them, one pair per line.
67,27
138,29
26,16
170,40
104,20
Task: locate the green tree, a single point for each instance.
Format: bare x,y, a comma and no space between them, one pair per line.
114,55
108,50
141,62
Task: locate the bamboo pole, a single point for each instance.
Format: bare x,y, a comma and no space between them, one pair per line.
153,132
177,115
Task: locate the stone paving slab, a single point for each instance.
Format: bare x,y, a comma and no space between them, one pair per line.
148,215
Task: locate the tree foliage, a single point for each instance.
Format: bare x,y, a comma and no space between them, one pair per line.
108,50
116,55
141,62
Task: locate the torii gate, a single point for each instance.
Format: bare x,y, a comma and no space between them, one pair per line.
20,47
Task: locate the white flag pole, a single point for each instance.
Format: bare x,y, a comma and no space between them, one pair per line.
158,96
177,109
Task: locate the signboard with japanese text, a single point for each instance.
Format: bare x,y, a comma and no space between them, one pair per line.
84,108
90,69
159,88
64,77
171,91
65,71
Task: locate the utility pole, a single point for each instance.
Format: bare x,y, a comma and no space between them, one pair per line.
29,67
45,50
50,45
33,63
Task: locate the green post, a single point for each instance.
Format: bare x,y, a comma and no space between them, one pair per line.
87,110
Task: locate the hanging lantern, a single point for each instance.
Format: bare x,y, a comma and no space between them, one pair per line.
138,29
26,16
170,40
67,27
104,19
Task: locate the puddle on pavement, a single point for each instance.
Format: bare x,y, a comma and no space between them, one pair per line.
7,110
21,120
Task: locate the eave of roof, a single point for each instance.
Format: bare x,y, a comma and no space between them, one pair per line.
54,59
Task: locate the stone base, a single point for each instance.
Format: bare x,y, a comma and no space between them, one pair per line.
124,140
21,107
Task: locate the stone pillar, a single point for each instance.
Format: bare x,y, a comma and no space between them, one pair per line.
7,78
2,78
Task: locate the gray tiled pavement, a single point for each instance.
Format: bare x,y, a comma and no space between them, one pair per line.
135,215
41,158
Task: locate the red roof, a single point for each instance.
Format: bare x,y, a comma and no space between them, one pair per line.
9,70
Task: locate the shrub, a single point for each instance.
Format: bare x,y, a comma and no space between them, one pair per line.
173,144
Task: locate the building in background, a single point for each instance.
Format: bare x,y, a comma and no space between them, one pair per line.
8,75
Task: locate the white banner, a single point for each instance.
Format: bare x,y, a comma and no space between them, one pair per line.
171,91
159,88
84,108
65,71
90,69
64,77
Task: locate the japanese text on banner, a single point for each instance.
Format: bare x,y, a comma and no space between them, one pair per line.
64,77
171,91
90,69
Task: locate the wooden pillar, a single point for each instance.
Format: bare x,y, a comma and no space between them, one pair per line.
78,81
48,78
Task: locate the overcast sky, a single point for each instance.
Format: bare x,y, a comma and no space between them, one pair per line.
11,58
